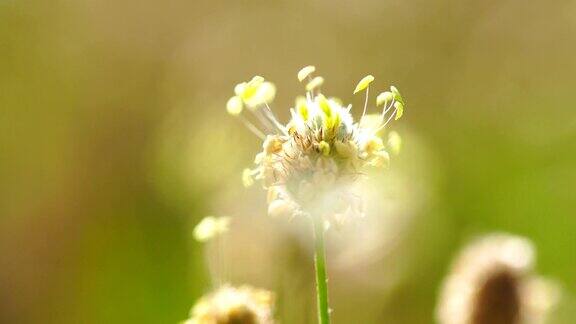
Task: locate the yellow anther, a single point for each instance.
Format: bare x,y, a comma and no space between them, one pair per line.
364,83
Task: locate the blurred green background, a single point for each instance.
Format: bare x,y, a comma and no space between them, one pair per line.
114,142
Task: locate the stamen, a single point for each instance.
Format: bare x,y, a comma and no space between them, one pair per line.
389,119
308,97
252,127
314,84
269,127
365,102
383,116
271,116
385,110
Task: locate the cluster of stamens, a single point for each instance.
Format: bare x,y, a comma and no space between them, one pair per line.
308,164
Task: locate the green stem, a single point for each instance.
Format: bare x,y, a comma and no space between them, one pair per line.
321,278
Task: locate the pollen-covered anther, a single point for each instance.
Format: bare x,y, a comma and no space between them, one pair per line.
305,72
314,83
399,106
234,105
384,98
364,83
255,92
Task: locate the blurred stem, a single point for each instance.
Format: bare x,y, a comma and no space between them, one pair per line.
320,266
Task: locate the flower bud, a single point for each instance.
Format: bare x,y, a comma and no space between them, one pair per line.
324,148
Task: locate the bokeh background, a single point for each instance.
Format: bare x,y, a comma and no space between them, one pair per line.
114,143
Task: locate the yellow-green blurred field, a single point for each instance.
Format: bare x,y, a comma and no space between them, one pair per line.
114,143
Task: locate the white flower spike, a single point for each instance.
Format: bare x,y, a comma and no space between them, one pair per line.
493,280
310,162
310,165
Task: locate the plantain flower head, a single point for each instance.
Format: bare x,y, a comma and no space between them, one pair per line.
309,163
230,305
492,281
